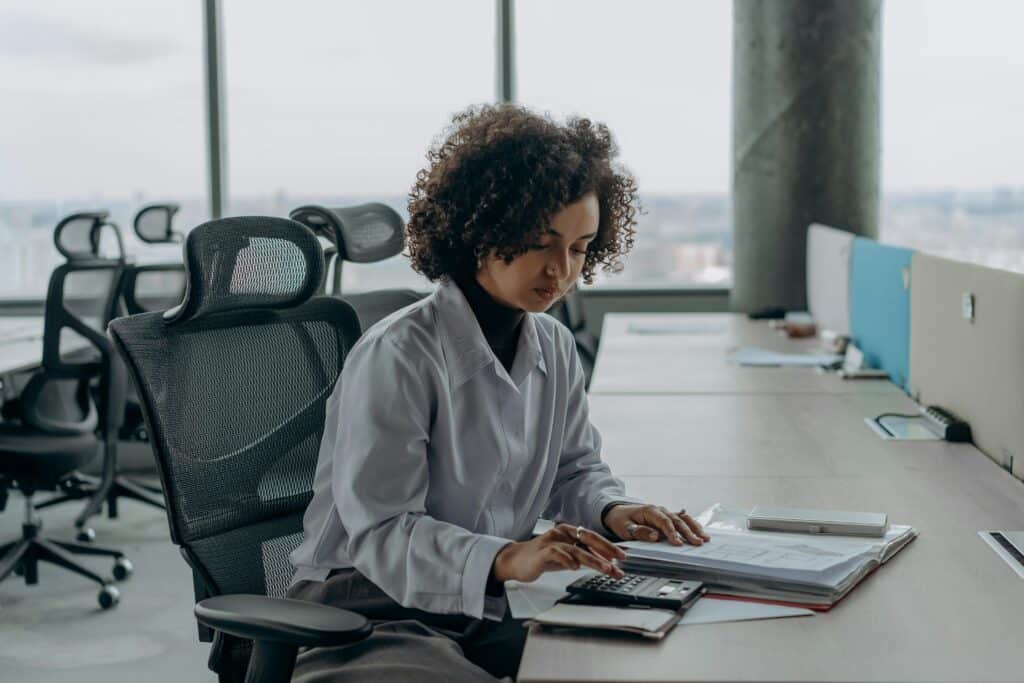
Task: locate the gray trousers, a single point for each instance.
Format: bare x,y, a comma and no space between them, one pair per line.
406,644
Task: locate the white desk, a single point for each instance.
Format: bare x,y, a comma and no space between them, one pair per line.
945,609
21,347
693,358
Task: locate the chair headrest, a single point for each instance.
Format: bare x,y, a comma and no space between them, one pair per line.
79,236
153,223
362,234
248,262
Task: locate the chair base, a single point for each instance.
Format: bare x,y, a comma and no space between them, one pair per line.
24,555
80,486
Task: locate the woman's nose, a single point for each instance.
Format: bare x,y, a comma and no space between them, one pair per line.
559,265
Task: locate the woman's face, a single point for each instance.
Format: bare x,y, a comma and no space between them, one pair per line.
533,281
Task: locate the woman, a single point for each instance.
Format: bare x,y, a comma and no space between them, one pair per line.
461,419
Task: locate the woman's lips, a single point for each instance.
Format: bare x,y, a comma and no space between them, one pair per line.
546,293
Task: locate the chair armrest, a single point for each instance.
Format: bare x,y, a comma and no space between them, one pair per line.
280,620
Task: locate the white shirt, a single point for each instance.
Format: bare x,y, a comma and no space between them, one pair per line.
434,457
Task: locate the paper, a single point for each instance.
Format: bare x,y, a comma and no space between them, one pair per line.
792,553
593,616
676,328
758,357
527,600
713,610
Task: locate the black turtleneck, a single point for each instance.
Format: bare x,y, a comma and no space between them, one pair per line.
500,324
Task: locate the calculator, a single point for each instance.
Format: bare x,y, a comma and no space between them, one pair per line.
635,589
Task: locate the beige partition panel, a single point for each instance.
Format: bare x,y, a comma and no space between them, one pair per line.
967,350
828,277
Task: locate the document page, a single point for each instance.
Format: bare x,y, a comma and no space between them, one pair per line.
746,549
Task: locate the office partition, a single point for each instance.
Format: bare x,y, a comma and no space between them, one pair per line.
967,350
880,282
828,277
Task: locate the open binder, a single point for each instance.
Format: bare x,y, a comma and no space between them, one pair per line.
804,570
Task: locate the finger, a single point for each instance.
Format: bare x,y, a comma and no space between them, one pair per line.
695,526
588,559
683,528
564,533
643,532
658,518
559,558
600,545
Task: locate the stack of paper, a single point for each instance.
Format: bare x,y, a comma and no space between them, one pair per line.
811,570
758,357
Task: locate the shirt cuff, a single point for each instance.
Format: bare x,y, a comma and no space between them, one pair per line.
606,503
475,574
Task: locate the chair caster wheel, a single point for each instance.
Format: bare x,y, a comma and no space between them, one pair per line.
122,569
109,597
86,535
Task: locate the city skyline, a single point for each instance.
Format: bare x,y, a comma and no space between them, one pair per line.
683,240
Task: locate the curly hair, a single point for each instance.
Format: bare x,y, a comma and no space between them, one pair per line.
496,177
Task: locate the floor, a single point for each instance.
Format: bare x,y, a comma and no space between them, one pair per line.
55,630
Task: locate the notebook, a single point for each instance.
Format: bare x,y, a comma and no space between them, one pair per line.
646,622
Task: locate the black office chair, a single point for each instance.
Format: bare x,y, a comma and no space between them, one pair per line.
569,310
365,233
78,237
145,288
233,383
59,419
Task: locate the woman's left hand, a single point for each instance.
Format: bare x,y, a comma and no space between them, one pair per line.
652,522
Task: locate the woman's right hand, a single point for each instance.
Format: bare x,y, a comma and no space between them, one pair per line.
563,547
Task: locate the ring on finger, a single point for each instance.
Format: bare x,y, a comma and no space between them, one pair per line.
579,534
631,529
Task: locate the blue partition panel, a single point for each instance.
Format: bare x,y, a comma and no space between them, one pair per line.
880,306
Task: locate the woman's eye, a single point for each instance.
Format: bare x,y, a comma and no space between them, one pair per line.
579,251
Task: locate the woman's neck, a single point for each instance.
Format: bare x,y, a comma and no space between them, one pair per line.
499,323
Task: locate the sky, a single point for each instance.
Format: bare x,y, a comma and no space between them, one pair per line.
105,98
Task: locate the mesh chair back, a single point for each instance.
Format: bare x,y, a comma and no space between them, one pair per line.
233,386
83,235
364,233
80,302
153,287
153,223
371,307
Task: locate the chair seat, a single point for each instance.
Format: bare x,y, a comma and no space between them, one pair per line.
33,455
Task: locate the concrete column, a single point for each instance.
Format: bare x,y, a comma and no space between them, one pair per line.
806,93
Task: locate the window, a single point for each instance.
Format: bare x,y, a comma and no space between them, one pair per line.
659,74
952,167
102,109
337,103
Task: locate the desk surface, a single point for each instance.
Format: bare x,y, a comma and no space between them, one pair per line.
945,609
21,343
671,353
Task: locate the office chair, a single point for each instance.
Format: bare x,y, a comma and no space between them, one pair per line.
79,238
145,288
233,383
365,233
56,432
154,286
569,310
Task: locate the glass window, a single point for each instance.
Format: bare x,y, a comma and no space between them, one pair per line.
952,97
102,109
659,74
337,103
